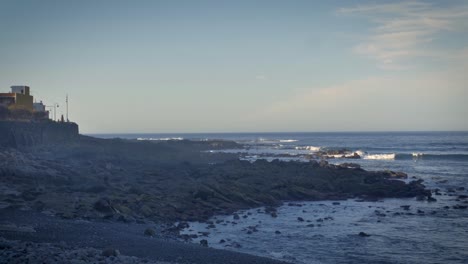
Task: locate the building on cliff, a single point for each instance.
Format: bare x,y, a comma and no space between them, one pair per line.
39,107
19,97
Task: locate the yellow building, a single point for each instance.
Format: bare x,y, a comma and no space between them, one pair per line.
20,97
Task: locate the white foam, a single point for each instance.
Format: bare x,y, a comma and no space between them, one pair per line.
288,140
390,156
337,156
311,148
162,139
417,154
360,153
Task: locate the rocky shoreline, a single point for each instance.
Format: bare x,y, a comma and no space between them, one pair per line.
17,252
175,181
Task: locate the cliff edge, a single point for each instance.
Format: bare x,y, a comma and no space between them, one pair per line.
29,134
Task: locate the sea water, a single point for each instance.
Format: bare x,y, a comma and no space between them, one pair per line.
328,231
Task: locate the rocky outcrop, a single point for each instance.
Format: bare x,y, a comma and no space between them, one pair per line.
176,181
29,134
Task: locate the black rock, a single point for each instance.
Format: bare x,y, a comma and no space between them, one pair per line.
204,242
363,234
405,207
110,252
150,232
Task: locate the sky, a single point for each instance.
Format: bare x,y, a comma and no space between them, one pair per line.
241,66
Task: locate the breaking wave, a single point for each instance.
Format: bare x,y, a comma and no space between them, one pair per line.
311,148
390,156
287,140
161,139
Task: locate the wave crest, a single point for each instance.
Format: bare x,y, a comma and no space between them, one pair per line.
160,139
390,156
311,148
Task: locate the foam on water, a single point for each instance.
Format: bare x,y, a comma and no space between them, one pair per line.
288,140
311,148
390,156
160,139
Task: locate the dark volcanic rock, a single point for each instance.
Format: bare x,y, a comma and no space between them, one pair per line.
110,252
204,242
181,181
103,205
150,232
363,234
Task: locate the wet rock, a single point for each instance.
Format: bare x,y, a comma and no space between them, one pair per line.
420,198
205,234
204,243
38,205
182,225
236,245
323,163
30,195
350,165
146,211
363,234
103,205
405,207
150,232
110,252
379,213
398,174
5,245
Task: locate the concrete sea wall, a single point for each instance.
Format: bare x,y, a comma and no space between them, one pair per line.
29,134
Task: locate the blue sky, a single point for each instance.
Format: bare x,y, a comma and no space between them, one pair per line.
241,66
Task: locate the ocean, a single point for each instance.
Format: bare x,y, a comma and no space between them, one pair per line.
421,233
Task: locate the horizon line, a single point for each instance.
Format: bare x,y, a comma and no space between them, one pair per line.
280,132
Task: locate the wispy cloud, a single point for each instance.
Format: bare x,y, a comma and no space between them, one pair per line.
377,103
407,30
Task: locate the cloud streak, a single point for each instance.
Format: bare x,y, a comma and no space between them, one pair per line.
407,30
428,101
